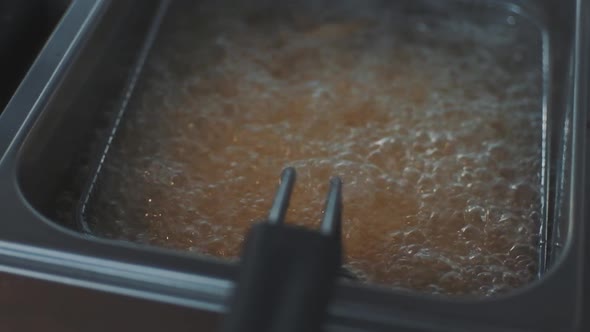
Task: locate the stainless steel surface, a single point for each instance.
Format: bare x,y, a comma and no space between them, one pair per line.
32,245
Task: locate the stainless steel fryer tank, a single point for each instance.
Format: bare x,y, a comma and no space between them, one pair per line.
86,64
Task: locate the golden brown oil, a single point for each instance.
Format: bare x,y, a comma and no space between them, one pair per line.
432,121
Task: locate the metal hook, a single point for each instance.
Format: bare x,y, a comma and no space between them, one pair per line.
280,204
332,221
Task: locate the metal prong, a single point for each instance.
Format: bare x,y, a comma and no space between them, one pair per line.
281,202
331,223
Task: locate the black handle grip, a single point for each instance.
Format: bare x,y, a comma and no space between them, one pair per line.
287,273
286,280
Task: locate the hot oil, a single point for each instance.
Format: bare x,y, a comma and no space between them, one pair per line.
433,121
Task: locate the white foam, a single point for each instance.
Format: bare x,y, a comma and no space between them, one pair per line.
433,123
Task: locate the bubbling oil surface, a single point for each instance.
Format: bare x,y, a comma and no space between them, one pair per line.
433,122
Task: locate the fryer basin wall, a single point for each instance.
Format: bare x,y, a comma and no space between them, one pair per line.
85,61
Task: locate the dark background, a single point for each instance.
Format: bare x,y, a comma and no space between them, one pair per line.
25,25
